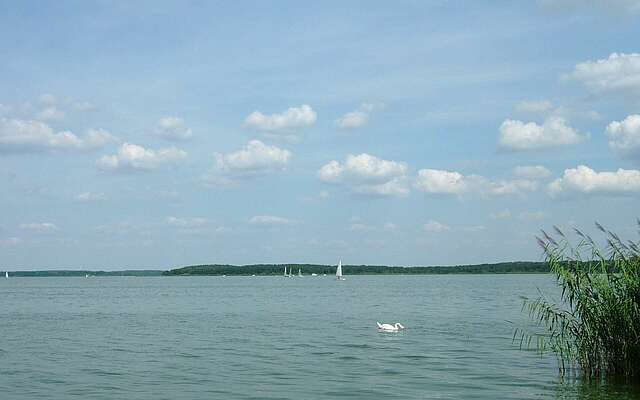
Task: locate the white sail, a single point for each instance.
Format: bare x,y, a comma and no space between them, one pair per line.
339,270
6,274
299,273
285,270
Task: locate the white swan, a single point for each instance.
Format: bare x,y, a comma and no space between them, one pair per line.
389,327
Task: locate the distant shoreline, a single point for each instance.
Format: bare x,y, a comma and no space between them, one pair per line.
516,267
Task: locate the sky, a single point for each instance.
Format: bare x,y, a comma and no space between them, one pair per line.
156,134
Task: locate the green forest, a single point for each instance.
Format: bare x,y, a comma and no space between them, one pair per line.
518,267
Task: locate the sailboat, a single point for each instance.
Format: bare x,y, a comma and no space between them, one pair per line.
285,271
6,274
339,276
299,273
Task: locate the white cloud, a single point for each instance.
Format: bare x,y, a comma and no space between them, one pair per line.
534,106
353,119
502,214
97,138
195,222
357,118
435,226
255,159
134,157
269,220
173,128
624,136
83,106
554,132
441,182
31,136
584,180
531,172
618,72
47,99
51,113
40,227
367,174
285,123
90,196
4,109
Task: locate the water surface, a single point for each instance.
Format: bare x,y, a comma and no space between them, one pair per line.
274,338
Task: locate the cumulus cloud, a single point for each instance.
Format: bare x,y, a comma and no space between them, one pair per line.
441,182
357,118
40,227
255,159
586,181
86,197
173,128
32,136
531,172
520,136
368,175
132,157
435,226
286,123
624,136
618,72
269,220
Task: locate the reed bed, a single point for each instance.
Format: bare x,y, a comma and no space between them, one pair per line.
595,327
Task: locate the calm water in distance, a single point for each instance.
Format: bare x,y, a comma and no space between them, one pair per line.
275,338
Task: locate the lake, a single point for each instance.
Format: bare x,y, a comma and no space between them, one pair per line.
275,338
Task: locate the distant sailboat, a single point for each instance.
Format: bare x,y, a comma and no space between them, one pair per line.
285,271
299,273
339,276
6,274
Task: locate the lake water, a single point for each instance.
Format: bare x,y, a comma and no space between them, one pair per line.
275,338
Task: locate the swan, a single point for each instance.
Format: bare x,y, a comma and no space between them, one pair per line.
389,327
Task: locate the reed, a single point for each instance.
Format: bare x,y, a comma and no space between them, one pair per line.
595,327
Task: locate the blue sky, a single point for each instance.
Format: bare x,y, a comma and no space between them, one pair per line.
156,134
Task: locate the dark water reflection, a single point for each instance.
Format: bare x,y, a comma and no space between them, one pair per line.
275,338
